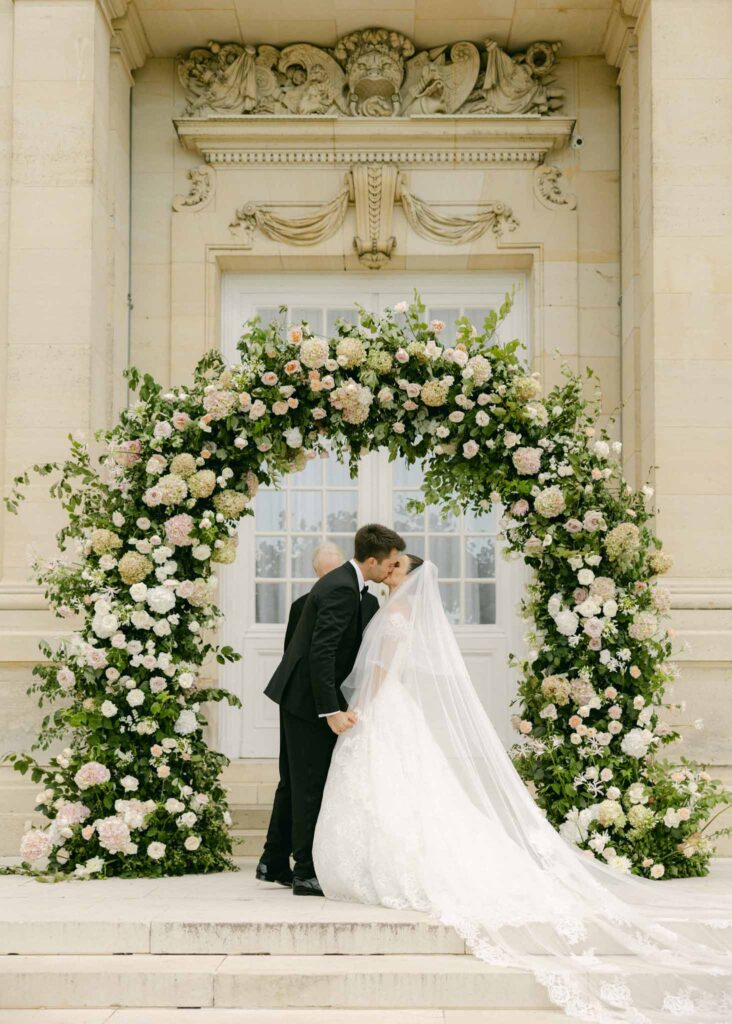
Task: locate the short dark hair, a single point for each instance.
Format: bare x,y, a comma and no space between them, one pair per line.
414,562
376,541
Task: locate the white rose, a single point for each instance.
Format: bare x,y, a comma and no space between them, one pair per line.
610,609
192,842
201,552
585,577
105,625
161,599
108,709
186,723
138,591
135,698
567,622
129,783
156,851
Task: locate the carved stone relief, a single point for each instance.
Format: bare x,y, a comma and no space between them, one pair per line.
548,189
370,73
201,191
373,189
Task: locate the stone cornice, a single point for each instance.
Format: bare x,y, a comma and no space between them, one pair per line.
261,139
129,39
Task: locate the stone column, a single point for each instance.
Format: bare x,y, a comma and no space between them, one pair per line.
676,82
65,77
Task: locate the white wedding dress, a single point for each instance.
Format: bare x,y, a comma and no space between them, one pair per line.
423,809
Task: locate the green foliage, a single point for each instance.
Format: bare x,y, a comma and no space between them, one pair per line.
137,791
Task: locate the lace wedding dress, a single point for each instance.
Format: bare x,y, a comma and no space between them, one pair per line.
423,809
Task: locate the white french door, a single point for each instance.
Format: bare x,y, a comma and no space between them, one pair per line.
480,591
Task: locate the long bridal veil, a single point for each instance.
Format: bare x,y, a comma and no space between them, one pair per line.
607,947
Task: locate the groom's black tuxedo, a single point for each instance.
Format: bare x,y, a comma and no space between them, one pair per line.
319,654
322,649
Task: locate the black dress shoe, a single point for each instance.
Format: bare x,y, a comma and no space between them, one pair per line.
306,887
267,873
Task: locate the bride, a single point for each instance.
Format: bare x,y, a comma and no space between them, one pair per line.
423,809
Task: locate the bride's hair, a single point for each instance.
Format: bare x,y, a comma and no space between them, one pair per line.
414,562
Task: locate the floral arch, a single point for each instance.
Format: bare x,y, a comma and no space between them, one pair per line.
137,792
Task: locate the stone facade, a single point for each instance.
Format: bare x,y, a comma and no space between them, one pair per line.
608,179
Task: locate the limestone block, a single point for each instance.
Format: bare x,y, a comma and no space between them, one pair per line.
599,332
694,460
597,98
690,324
696,528
53,140
402,981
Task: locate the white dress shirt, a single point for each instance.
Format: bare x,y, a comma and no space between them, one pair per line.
361,585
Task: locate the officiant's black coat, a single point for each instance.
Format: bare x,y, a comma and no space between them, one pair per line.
323,646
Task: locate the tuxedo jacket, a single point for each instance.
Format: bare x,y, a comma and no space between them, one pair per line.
322,646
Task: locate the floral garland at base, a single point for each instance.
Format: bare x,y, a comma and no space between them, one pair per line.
137,793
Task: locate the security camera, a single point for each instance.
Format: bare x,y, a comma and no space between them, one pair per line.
577,142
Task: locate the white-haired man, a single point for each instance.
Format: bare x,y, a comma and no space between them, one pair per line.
327,557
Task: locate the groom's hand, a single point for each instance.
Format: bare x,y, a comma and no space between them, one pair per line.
341,721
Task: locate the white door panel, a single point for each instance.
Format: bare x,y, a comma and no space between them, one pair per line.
320,503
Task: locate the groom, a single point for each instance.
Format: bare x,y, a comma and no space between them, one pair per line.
313,711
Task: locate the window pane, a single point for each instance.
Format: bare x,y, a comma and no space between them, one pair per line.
306,511
270,556
445,553
269,313
270,510
310,315
480,604
298,589
270,602
406,475
337,474
344,542
484,523
342,511
311,476
480,557
415,546
437,524
404,521
303,549
476,315
451,600
347,313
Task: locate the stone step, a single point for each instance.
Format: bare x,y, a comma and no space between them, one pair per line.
271,926
248,842
250,817
145,980
151,1015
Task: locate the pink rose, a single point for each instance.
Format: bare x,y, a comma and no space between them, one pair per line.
634,672
579,594
437,326
269,379
163,771
294,335
401,355
280,408
293,366
156,750
180,420
470,449
245,400
595,644
520,507
319,414
573,526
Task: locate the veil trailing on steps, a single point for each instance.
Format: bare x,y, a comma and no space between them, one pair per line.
607,947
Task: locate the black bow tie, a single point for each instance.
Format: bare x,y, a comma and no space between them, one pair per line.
365,590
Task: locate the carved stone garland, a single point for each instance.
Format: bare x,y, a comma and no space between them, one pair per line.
373,189
373,72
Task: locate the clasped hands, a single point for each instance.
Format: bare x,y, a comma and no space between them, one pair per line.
342,721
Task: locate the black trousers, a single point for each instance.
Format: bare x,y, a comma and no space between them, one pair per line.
305,752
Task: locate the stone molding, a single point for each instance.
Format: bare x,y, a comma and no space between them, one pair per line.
373,189
465,139
372,72
129,39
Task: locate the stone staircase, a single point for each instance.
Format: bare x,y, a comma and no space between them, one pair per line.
225,949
